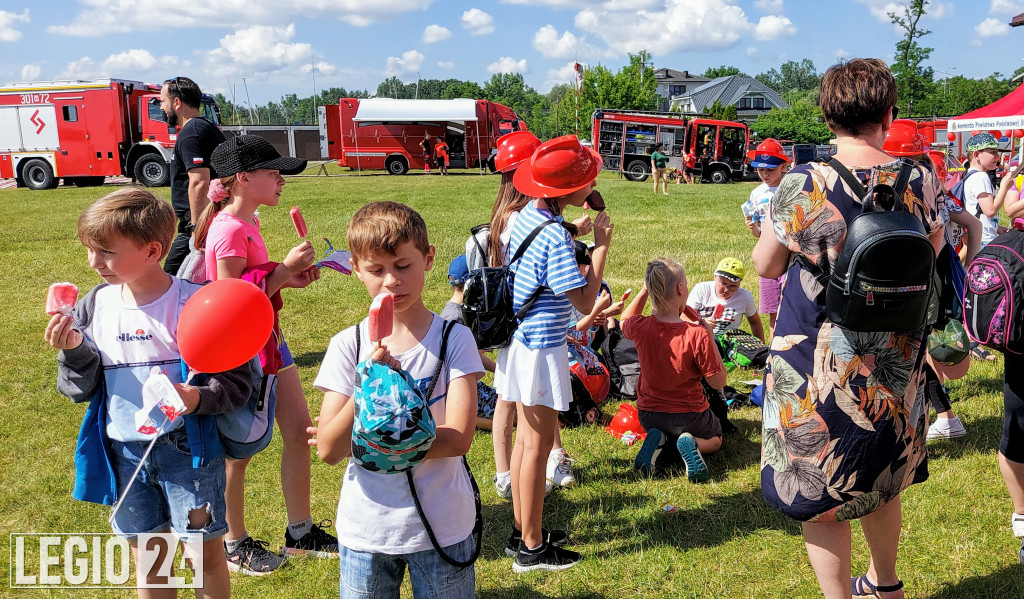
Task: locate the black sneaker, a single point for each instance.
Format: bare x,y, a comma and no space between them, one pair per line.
555,537
252,558
549,558
315,543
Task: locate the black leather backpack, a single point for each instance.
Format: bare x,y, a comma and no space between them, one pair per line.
884,276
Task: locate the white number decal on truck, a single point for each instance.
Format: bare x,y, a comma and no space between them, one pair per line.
35,98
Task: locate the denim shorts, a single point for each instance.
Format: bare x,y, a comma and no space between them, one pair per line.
167,488
380,575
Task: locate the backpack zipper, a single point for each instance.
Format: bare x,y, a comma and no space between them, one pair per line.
848,283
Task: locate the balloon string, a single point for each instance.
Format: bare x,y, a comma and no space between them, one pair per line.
142,462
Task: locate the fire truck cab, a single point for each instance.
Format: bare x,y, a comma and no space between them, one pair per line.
83,131
625,140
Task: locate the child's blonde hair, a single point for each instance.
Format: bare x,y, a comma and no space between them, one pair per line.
132,212
661,277
383,226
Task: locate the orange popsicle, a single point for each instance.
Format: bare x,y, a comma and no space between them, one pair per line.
382,317
299,222
61,298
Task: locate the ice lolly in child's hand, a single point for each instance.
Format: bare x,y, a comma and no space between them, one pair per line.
299,222
61,298
382,317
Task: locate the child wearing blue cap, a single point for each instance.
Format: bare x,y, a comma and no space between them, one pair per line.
769,160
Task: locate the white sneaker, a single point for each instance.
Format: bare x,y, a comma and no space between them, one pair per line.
944,428
559,469
505,491
1017,522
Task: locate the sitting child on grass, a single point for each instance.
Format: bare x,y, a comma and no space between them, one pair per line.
675,352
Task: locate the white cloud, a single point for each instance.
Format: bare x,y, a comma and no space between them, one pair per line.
721,23
263,48
446,64
409,63
507,64
7,21
842,54
992,27
940,10
1010,8
30,72
477,22
322,68
131,64
772,6
561,75
435,33
121,16
551,45
880,9
773,27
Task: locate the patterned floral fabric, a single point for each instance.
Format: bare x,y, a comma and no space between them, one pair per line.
844,413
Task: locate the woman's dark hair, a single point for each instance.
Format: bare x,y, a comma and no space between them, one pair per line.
857,95
658,147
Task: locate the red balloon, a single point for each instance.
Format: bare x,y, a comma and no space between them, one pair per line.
951,136
224,325
975,132
1018,133
1007,133
996,133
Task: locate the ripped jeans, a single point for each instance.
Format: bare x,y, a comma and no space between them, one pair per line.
168,488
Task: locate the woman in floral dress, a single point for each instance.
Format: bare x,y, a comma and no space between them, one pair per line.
844,412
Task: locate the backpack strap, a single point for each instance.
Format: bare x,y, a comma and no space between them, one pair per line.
478,526
473,232
518,255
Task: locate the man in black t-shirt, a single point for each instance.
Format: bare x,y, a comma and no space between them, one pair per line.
190,167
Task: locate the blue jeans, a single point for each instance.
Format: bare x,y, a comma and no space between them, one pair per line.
168,488
379,575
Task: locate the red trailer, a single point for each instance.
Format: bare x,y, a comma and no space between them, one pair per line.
83,131
625,140
385,133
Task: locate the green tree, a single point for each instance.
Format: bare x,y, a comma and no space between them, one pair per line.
912,79
802,122
722,112
392,87
792,76
463,89
721,71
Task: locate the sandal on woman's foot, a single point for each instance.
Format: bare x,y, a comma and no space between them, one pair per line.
980,353
862,588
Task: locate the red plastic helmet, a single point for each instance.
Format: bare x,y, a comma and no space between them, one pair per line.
559,167
939,160
904,139
513,149
768,154
626,420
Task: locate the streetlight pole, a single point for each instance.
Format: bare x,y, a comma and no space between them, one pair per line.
247,100
945,80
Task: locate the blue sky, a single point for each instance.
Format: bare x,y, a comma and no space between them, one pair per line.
357,43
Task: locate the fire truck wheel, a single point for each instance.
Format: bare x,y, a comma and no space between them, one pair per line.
638,170
37,174
396,166
719,176
152,171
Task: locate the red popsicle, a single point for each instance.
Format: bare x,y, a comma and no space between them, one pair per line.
299,222
382,317
61,298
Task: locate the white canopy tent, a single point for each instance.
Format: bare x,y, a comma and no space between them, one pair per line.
391,110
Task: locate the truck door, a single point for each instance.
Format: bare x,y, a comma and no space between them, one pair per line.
75,157
672,140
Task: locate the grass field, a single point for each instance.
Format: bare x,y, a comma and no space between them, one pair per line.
722,542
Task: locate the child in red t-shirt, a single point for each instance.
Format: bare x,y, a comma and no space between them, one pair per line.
676,349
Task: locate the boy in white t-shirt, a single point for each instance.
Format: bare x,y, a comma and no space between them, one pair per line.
979,196
722,303
379,529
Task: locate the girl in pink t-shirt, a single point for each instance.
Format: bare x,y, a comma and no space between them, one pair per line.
676,349
250,172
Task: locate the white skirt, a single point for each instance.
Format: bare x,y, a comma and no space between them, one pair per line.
534,377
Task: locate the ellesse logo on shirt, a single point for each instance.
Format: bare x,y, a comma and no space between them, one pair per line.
138,335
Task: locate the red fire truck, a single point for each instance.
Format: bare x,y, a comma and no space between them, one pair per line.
385,133
83,131
625,140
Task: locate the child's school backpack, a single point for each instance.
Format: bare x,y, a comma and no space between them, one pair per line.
247,431
487,300
590,385
883,277
393,429
956,191
623,364
742,349
477,255
994,294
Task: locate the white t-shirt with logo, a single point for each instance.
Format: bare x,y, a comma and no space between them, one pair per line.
131,340
376,513
976,184
703,299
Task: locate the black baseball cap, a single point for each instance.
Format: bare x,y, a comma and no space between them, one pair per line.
246,153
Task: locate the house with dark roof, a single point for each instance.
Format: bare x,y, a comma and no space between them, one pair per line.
673,83
748,95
